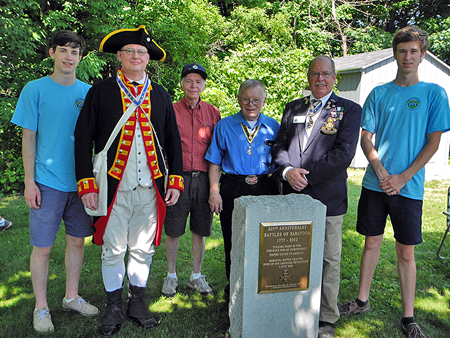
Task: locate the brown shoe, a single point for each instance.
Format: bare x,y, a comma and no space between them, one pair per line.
352,308
413,331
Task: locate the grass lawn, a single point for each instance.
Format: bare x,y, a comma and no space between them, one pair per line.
190,315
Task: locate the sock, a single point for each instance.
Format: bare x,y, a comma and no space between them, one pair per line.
361,303
407,320
2,222
68,300
172,275
195,275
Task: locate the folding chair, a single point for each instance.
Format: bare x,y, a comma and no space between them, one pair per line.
447,213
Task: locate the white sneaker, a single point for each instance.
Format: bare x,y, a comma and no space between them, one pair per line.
169,288
200,286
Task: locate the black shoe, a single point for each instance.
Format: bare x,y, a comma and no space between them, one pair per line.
326,330
113,317
137,311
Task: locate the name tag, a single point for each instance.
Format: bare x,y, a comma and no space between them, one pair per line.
299,119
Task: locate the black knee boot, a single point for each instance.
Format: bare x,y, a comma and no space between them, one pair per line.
113,317
137,311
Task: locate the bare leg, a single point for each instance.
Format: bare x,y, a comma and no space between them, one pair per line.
198,251
39,265
172,252
74,261
406,267
369,261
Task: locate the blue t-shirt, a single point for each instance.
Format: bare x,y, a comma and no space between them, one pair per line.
51,110
401,118
230,147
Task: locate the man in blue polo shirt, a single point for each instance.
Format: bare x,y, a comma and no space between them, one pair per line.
241,148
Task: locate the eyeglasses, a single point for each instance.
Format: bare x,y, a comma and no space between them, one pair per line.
324,74
246,100
131,51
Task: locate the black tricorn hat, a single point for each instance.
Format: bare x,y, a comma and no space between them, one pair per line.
139,36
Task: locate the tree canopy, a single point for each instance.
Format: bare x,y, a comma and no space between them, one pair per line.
272,41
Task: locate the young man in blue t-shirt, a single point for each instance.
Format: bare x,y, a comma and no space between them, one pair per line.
408,117
48,110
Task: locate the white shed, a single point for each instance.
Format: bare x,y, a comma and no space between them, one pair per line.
359,74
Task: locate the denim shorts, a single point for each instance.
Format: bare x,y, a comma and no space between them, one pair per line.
57,205
405,214
194,201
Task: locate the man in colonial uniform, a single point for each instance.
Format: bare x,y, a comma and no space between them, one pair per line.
315,145
137,170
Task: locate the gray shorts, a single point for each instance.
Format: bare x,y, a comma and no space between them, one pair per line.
57,205
194,201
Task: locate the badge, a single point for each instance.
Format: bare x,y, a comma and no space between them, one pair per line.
299,119
329,128
330,104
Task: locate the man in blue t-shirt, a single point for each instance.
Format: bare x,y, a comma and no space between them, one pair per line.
48,110
408,117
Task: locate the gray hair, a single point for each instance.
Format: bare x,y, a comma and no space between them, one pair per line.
326,57
251,84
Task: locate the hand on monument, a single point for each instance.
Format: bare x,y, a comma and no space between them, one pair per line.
215,202
172,196
32,195
296,178
90,200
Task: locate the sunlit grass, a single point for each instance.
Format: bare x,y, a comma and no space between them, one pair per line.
188,315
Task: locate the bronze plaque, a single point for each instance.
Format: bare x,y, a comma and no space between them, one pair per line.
284,256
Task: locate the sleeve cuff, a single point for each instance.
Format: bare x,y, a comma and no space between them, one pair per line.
283,175
175,182
87,185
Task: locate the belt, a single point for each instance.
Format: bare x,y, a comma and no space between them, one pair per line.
193,173
249,179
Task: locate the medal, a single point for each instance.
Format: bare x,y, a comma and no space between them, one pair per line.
249,136
314,108
329,128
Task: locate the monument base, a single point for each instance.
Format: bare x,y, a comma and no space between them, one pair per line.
280,312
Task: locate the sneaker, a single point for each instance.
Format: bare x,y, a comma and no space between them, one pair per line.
352,308
42,320
412,331
169,288
200,286
7,225
79,305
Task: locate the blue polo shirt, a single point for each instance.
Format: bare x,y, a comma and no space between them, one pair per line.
230,146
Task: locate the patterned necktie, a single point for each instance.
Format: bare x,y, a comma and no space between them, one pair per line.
312,111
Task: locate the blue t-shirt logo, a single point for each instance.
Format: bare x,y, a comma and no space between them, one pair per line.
79,103
413,103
